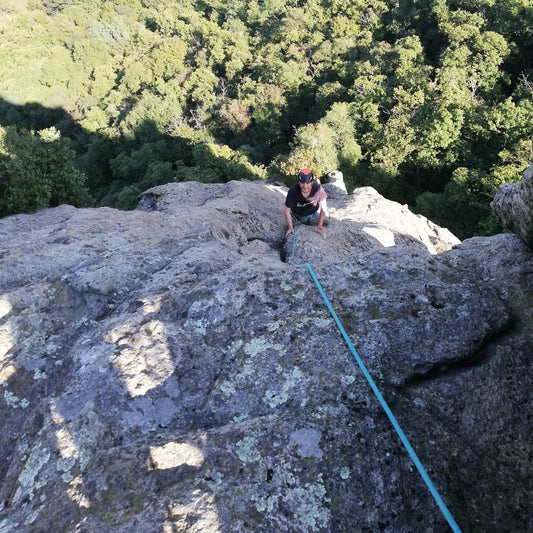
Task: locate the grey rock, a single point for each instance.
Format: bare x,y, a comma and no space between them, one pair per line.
513,206
334,184
166,370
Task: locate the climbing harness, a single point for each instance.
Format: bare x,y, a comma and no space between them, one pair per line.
306,219
381,400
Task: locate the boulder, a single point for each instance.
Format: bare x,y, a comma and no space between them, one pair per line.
164,370
333,184
513,206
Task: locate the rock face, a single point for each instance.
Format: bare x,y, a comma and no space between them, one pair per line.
513,206
165,370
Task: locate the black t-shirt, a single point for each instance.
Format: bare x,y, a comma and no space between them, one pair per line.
298,204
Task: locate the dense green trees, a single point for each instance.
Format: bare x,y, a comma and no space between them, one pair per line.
429,102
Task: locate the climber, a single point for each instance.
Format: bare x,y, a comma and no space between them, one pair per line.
306,201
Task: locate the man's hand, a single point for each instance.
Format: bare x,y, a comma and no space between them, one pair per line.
322,229
289,231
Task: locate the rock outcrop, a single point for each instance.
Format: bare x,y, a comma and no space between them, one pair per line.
165,370
513,206
366,221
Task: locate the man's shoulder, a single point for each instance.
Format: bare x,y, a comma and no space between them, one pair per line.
293,190
291,196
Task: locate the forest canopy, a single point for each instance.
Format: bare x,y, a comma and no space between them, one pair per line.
430,102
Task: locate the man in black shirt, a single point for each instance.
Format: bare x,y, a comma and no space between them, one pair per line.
306,200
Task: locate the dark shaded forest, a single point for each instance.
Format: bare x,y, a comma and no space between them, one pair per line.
430,102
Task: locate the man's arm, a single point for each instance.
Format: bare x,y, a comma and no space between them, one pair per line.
288,220
322,216
324,207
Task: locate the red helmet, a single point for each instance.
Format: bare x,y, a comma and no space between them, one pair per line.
305,176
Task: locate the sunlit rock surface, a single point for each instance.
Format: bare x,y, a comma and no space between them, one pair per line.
164,370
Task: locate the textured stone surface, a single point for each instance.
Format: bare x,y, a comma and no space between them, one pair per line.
165,370
513,206
334,184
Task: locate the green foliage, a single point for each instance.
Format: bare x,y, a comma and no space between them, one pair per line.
167,59
219,163
235,116
429,102
128,196
463,206
511,165
313,147
36,171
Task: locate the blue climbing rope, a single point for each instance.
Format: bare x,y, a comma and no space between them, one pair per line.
382,401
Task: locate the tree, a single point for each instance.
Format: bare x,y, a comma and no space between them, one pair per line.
37,170
313,147
235,117
476,55
463,206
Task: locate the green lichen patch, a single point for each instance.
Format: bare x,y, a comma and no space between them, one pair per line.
247,451
310,505
277,397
